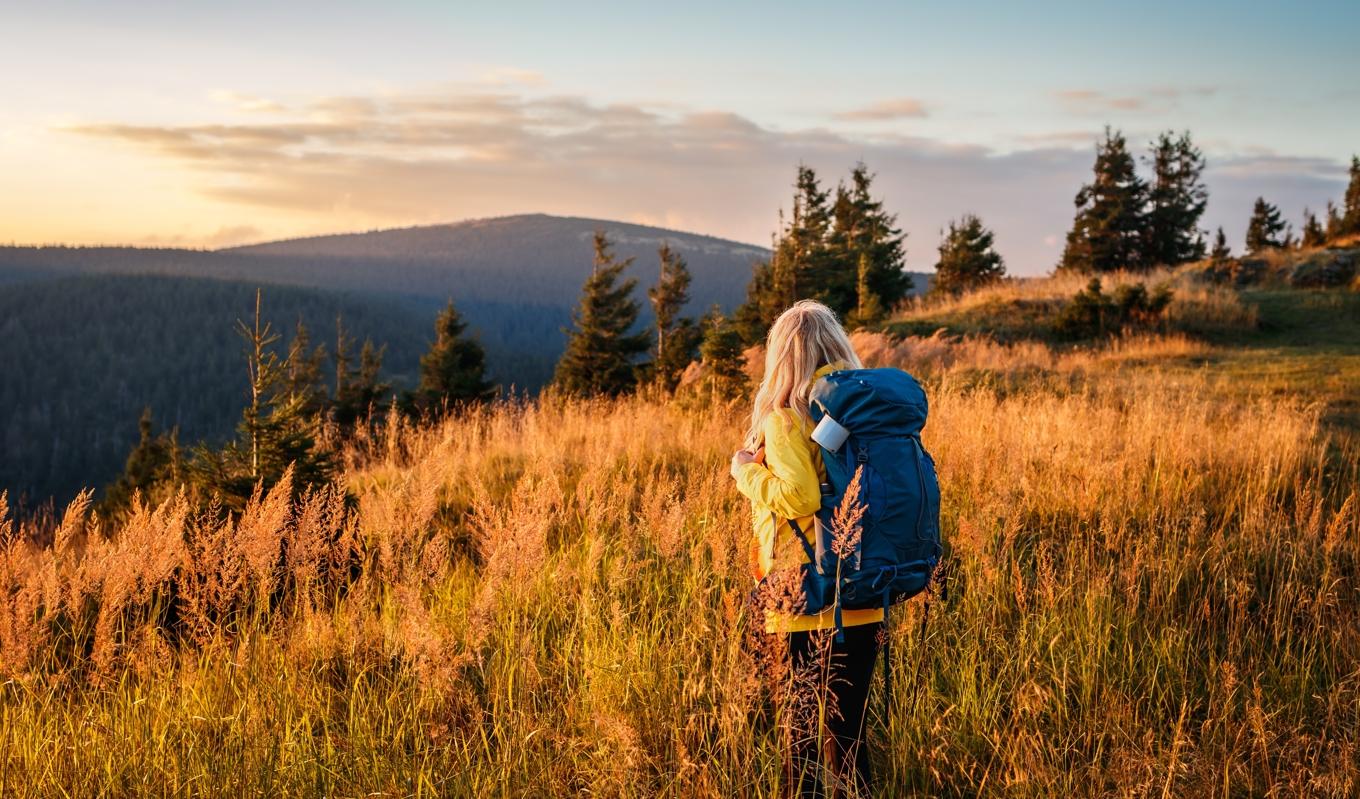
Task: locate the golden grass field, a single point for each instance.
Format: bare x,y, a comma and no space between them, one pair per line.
1152,593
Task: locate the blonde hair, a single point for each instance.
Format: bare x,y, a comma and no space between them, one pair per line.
803,339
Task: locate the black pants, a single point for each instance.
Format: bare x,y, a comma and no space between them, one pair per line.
846,694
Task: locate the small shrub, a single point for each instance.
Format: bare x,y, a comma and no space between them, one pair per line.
1091,313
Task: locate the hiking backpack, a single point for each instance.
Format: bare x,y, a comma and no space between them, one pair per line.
871,420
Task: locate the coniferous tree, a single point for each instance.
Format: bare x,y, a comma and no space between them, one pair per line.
453,371
1350,214
805,266
302,375
1221,251
153,464
1313,234
762,306
1334,223
1265,227
1176,201
868,310
601,352
357,392
1109,228
882,240
831,253
275,433
967,257
677,337
723,353
860,227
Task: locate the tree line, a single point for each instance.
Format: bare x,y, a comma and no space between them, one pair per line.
1125,222
296,415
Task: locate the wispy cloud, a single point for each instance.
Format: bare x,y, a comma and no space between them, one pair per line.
1154,98
437,156
246,102
898,108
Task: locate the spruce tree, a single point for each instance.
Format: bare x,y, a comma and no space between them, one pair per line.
872,231
151,466
276,430
1265,227
363,390
1334,223
1350,215
677,338
601,351
868,310
753,317
1221,251
967,258
1313,234
453,371
1176,201
723,354
805,267
356,392
302,375
831,253
1109,228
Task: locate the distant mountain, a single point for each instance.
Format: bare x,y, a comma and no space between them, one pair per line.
532,259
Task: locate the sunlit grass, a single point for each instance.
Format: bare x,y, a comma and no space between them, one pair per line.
1153,591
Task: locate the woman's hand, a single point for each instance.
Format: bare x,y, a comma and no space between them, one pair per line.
742,457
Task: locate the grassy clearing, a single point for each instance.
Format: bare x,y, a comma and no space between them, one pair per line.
1025,310
1154,581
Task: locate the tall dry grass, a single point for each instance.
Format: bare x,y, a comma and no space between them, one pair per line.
1029,304
1151,593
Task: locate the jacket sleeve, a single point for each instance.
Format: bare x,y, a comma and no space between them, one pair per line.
787,482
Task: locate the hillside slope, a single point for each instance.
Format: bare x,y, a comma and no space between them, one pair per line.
81,356
533,258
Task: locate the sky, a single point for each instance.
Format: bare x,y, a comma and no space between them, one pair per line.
208,124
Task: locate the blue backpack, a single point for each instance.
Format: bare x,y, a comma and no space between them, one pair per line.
871,420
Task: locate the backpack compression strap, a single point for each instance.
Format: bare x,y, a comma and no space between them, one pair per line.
812,560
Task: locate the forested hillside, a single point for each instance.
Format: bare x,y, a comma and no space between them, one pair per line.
91,335
82,356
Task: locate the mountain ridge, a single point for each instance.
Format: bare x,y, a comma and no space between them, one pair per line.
682,239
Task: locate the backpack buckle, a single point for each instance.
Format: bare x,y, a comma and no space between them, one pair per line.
862,455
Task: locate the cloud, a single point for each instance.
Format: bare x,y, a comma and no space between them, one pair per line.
899,108
426,157
513,76
229,236
246,102
1154,98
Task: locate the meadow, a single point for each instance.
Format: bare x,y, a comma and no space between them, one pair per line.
1151,591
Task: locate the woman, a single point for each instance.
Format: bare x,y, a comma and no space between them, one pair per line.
780,470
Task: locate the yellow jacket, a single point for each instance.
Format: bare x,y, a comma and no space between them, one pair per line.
788,486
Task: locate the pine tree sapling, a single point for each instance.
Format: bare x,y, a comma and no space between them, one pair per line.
1265,227
601,351
357,393
723,359
868,309
1221,251
152,468
967,258
1350,205
677,338
1313,233
453,371
276,432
